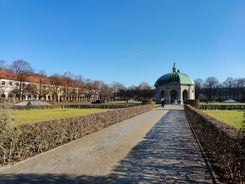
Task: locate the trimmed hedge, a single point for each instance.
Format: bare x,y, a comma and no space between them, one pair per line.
79,106
18,143
223,145
222,106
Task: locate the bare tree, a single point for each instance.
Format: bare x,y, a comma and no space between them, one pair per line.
80,87
241,83
22,69
198,87
143,90
30,90
211,83
116,87
2,65
92,89
230,84
143,86
41,75
67,80
230,88
105,92
89,89
55,84
241,89
79,79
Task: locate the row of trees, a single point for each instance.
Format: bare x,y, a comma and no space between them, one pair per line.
212,90
72,86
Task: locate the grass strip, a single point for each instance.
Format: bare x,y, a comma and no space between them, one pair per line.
233,118
37,115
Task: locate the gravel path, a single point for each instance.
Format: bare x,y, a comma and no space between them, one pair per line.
143,149
168,154
95,154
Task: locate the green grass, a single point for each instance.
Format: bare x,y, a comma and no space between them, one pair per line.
221,103
156,105
35,115
233,118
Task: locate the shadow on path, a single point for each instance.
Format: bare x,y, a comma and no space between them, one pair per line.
168,154
52,178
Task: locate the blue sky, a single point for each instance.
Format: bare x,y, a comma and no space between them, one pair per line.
126,41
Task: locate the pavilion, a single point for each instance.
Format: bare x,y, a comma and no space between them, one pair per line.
174,87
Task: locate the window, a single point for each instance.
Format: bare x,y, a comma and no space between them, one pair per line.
3,83
10,83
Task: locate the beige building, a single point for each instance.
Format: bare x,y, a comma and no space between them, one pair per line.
45,90
175,87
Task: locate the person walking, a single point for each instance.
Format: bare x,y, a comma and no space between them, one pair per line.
162,102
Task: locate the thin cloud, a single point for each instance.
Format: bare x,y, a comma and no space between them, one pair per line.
137,55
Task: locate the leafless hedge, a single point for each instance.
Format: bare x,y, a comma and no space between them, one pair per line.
223,145
18,143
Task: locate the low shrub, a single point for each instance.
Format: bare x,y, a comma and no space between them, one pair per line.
223,145
222,106
29,139
194,103
79,106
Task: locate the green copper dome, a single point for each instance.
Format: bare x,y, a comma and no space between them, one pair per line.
177,77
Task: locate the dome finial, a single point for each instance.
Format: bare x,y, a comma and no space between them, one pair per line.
174,68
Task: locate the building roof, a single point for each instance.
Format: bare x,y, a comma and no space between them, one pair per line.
174,76
8,75
31,78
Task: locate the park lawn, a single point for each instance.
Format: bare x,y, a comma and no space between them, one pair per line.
36,115
233,118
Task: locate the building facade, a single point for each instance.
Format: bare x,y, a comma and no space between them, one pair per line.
45,90
174,87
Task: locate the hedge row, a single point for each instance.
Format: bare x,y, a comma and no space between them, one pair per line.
18,143
222,106
78,106
223,145
103,106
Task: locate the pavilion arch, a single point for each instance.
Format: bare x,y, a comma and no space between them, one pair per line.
184,95
17,96
173,96
10,95
163,94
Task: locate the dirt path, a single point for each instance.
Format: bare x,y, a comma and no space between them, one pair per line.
95,154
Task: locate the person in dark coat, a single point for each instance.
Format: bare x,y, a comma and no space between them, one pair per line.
162,102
